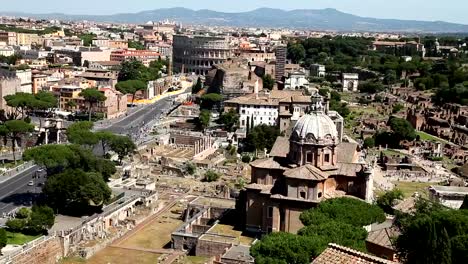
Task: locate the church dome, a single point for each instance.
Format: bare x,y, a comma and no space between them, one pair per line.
315,127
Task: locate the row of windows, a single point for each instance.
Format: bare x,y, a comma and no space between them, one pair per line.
259,113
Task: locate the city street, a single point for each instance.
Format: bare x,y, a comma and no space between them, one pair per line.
132,124
17,192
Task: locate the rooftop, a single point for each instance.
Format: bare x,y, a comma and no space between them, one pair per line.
336,254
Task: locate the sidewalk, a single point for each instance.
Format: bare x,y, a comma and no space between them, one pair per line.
16,171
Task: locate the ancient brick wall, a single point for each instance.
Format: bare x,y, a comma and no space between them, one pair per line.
47,252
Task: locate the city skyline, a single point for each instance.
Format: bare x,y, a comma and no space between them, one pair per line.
449,11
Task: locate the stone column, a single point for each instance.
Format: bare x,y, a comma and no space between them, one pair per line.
58,136
46,136
369,187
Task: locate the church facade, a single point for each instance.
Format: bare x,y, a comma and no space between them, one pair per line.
309,166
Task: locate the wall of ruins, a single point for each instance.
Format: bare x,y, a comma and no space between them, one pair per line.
45,250
208,248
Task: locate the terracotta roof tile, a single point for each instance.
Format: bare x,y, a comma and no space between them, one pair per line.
336,254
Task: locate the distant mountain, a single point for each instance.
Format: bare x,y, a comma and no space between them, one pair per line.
320,19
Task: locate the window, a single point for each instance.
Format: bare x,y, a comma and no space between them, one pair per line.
302,194
243,122
327,157
270,212
320,195
309,156
243,111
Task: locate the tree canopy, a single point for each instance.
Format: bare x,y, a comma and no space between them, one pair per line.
433,234
76,191
209,101
338,221
261,137
122,145
131,87
92,96
229,119
268,81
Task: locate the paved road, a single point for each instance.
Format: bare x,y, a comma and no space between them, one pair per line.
16,192
132,124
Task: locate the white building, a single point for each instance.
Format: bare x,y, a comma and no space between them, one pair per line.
449,196
296,80
350,82
6,51
258,112
317,70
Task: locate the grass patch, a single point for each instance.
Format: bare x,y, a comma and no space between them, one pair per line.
228,230
122,256
18,238
72,260
409,188
428,137
195,260
158,233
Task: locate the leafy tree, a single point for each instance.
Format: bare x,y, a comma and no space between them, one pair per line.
352,211
105,137
211,176
131,70
209,101
197,87
80,133
246,159
87,39
76,191
131,87
390,77
16,224
388,200
369,142
53,157
3,238
284,248
135,45
204,119
261,137
22,102
229,119
268,82
57,158
402,129
191,168
14,130
105,167
41,219
123,146
338,232
397,108
296,52
371,87
92,96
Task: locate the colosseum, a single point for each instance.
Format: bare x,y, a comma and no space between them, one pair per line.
198,53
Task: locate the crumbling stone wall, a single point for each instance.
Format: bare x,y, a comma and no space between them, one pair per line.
47,252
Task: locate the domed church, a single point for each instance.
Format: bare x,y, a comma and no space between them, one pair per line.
309,166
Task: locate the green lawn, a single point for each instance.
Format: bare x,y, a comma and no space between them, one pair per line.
18,238
409,188
429,137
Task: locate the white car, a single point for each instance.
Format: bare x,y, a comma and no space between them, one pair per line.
30,183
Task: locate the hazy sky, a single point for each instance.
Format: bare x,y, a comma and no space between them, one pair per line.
447,10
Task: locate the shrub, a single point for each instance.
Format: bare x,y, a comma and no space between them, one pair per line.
246,159
211,176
